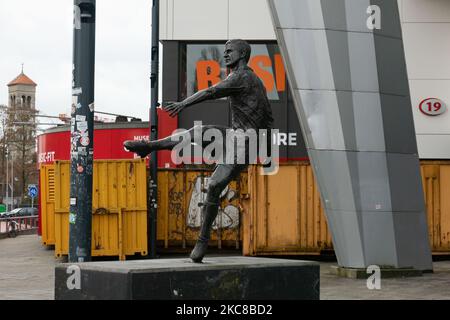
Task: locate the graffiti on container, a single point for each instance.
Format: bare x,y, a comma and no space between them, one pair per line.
176,202
228,216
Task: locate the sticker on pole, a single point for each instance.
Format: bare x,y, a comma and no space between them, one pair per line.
84,141
32,190
72,218
433,107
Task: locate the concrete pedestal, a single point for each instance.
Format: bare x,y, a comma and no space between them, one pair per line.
216,278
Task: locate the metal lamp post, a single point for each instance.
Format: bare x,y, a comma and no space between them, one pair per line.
82,131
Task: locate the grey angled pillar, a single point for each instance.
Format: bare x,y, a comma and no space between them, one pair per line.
351,92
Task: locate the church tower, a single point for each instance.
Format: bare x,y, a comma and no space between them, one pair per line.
22,92
20,135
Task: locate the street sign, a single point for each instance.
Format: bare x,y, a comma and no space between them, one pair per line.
32,190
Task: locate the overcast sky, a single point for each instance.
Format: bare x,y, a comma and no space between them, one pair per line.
39,34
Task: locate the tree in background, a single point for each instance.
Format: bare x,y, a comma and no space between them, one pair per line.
3,109
19,140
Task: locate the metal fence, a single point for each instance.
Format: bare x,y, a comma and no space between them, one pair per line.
12,226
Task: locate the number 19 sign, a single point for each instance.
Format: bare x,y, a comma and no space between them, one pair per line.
432,107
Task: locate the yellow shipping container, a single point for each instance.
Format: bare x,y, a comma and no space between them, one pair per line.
269,215
47,187
119,208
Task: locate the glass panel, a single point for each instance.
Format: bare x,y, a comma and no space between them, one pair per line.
205,67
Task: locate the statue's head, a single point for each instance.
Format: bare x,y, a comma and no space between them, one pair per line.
236,50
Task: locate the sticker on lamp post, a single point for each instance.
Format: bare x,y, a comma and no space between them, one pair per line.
432,107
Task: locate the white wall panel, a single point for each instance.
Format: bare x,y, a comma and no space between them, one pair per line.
423,89
433,146
200,20
170,22
166,20
163,19
250,19
426,10
427,49
426,34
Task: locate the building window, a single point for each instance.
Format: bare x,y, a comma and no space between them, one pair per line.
203,66
28,102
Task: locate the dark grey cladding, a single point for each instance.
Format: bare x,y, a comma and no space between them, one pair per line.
351,92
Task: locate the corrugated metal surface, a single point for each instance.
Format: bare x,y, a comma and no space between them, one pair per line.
278,214
47,194
179,216
283,213
436,183
119,224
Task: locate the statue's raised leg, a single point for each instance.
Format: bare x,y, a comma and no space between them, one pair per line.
143,147
221,177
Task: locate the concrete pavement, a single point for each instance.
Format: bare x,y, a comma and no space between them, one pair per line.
429,286
27,272
26,269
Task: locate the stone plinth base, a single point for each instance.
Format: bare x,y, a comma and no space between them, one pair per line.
216,278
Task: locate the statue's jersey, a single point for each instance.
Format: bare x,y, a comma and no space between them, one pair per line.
250,107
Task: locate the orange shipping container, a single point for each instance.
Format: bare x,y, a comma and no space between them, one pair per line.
268,215
283,214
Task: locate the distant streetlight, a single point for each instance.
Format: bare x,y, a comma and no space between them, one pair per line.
9,184
7,179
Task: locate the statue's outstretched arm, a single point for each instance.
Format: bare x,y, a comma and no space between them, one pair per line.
223,89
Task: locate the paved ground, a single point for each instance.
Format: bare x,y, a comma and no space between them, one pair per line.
26,269
430,286
27,272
